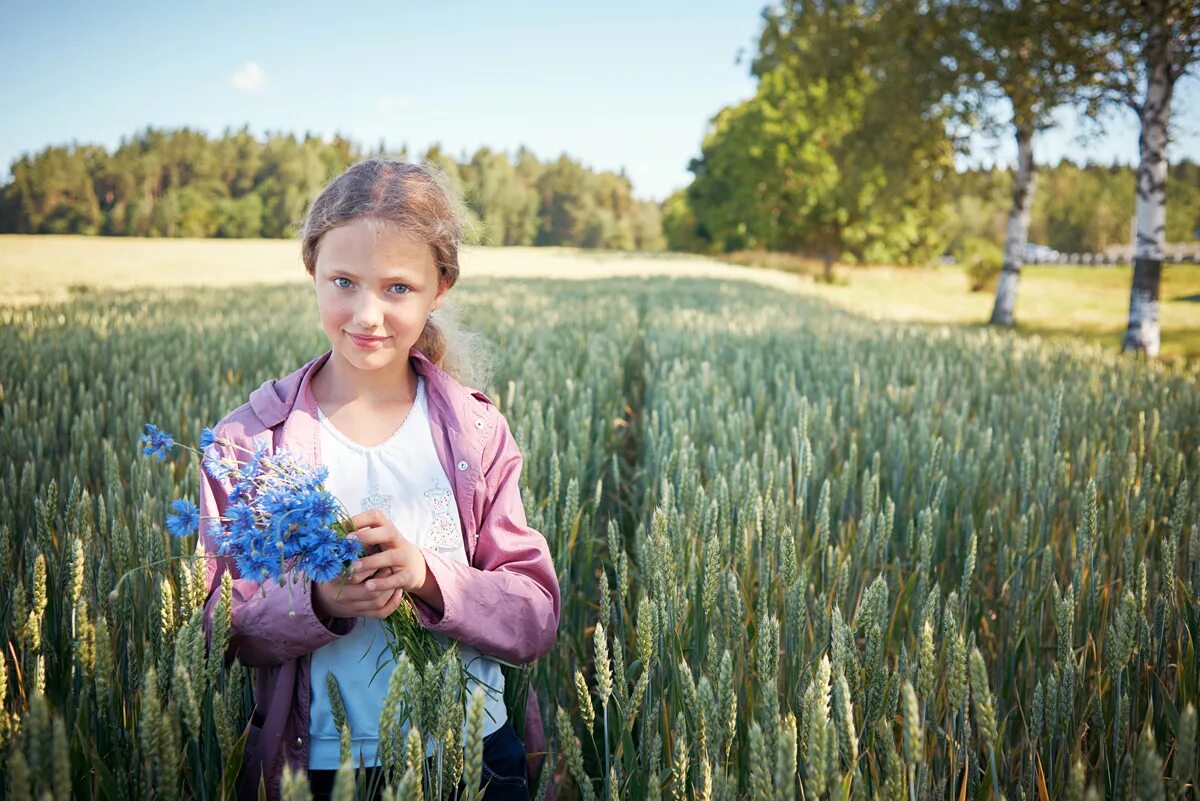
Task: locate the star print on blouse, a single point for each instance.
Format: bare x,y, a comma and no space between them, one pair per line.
443,534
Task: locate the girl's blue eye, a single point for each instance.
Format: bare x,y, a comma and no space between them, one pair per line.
349,283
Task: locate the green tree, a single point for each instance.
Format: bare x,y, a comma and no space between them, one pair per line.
506,206
53,192
562,202
679,224
292,173
647,224
1078,208
840,152
240,218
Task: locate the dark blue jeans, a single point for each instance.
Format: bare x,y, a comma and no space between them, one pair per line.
503,776
504,766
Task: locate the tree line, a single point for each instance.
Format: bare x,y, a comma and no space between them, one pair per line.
1081,208
182,183
1078,208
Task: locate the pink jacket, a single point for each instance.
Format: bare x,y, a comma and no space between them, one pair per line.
504,603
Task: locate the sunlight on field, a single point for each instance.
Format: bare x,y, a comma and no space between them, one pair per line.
1054,302
45,267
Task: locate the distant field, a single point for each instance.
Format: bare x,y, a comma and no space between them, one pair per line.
1054,302
1091,303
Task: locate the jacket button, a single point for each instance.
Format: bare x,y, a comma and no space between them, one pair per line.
462,465
299,742
479,424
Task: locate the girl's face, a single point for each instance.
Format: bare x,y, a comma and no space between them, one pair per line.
375,289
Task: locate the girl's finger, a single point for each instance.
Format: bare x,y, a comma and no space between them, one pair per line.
385,606
369,517
360,576
369,607
369,535
358,594
370,564
397,599
391,581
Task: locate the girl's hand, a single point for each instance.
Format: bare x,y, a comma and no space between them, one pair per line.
408,571
345,598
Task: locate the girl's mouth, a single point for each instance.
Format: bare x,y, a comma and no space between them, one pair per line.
367,343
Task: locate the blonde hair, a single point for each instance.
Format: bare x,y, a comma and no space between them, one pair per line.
421,201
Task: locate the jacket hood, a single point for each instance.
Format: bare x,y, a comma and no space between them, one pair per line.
275,397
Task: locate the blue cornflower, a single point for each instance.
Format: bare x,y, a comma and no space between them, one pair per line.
207,438
158,443
216,467
349,550
249,558
318,505
319,474
238,540
311,479
247,565
292,547
253,468
241,491
275,501
184,518
241,518
264,561
323,564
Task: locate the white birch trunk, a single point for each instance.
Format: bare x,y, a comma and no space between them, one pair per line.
1142,333
1017,233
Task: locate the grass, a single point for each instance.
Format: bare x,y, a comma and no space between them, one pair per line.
1089,303
1061,303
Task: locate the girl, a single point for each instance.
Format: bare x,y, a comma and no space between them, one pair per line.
428,469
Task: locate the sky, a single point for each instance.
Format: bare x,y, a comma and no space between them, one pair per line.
621,84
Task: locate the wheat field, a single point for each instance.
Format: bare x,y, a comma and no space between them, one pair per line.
803,553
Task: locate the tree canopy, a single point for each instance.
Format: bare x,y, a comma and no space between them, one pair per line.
840,152
182,183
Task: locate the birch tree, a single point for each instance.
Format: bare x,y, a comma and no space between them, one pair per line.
1035,55
1150,45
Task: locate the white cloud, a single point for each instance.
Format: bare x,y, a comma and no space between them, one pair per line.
389,104
249,78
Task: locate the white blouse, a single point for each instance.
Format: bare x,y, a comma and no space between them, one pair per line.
405,479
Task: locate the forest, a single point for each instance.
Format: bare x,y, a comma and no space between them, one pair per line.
182,183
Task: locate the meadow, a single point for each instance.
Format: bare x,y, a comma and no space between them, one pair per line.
804,553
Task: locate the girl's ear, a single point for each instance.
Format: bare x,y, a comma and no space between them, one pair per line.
440,297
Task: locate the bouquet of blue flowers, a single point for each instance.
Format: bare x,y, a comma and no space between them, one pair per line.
280,521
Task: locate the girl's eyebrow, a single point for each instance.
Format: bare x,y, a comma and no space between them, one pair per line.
349,274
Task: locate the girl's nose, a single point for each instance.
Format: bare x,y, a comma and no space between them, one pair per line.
369,315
